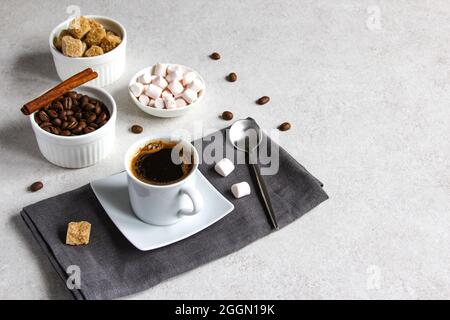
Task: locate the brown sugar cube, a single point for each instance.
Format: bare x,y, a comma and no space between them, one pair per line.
57,41
95,36
78,233
93,51
110,42
94,24
79,27
72,47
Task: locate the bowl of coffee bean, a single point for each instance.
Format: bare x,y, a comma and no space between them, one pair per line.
77,129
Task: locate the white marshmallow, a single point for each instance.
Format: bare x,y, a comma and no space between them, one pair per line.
166,93
160,82
137,89
153,91
240,189
161,69
196,85
189,95
144,99
174,68
169,102
159,104
175,75
188,78
224,167
151,103
180,103
176,87
145,78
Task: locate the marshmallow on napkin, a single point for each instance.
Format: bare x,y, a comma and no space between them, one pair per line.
224,167
240,189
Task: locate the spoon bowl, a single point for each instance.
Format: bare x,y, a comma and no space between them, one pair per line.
245,135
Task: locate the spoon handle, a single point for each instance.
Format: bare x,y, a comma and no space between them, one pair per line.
265,195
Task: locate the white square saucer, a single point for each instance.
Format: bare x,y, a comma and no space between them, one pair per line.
112,192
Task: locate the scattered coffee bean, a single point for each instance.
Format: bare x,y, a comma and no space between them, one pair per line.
227,115
263,100
285,126
36,186
232,77
136,129
72,114
215,56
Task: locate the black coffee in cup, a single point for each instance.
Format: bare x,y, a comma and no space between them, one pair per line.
161,162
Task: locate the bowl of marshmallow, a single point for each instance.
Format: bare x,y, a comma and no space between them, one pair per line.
167,90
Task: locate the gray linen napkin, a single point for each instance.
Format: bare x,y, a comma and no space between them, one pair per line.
111,267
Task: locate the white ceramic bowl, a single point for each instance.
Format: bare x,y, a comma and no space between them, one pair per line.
109,66
166,113
84,150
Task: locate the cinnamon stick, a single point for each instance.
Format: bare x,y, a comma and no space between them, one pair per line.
57,91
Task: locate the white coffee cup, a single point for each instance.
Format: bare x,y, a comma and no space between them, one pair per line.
163,204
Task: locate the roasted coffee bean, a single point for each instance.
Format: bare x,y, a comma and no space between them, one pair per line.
82,124
227,115
102,117
84,100
85,114
54,130
36,118
43,116
263,100
91,118
45,124
52,114
67,103
285,126
65,133
88,130
136,129
77,131
232,77
72,114
38,185
89,107
72,125
72,94
57,106
57,122
215,56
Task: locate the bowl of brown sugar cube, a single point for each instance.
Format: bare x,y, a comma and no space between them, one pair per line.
167,90
90,41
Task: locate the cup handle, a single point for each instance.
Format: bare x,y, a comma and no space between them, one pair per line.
197,201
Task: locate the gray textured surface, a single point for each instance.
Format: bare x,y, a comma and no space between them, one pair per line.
370,116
